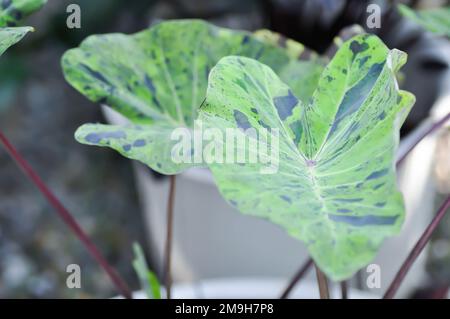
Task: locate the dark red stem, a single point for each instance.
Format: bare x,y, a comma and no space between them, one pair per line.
299,275
322,282
66,216
415,252
344,290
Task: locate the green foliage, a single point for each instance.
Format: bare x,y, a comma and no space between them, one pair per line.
157,79
10,36
335,185
148,279
434,20
14,11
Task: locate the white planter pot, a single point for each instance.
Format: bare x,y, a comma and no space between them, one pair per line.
257,288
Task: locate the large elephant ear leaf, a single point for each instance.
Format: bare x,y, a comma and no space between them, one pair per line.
326,172
10,36
434,20
14,11
159,76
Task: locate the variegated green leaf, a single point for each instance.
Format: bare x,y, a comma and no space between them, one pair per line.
434,20
13,11
157,79
10,36
333,184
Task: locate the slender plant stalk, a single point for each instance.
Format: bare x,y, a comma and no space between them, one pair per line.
344,290
430,130
322,282
415,252
65,215
309,262
301,272
169,238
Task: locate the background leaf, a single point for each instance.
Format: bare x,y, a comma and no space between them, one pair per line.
10,36
148,279
434,20
335,187
14,11
158,77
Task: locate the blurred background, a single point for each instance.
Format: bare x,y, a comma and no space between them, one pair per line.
39,112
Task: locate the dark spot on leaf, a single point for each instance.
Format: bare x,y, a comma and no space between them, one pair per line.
149,84
261,122
259,53
297,128
344,210
378,186
139,143
356,96
156,102
348,200
95,74
245,39
97,137
367,220
357,47
363,61
127,147
241,120
286,198
382,115
380,204
285,104
377,174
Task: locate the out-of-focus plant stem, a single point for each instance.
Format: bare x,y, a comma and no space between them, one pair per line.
65,215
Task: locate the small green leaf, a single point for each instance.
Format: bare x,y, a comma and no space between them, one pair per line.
14,11
434,20
10,36
333,184
148,279
157,79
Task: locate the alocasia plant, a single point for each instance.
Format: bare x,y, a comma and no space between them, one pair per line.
434,20
157,79
335,188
